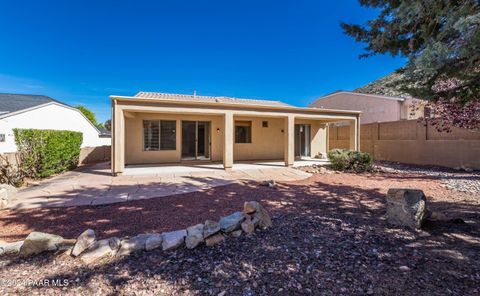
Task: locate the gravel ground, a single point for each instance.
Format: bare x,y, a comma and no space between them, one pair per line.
329,238
458,180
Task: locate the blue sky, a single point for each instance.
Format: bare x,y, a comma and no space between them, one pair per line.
80,52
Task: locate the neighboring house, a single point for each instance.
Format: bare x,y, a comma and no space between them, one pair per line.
374,108
42,112
154,128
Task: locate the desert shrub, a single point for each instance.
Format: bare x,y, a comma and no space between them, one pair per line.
43,153
349,160
11,173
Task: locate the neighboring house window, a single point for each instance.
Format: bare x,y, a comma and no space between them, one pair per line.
2,138
159,135
243,132
264,123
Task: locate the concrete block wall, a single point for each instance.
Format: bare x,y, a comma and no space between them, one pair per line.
413,142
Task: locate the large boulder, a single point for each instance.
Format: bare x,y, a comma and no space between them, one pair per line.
133,244
210,228
38,242
406,207
259,215
84,241
231,222
172,240
101,250
194,236
153,241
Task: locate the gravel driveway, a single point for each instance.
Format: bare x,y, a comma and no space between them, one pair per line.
329,238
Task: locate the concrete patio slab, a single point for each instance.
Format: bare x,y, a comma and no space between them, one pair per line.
94,185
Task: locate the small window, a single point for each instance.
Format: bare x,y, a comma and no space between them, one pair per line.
243,132
264,123
159,135
2,138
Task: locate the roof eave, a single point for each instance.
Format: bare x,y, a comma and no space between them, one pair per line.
286,108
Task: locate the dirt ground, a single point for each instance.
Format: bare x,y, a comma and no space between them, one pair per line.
329,238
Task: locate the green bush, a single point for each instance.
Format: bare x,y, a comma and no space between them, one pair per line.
348,160
43,153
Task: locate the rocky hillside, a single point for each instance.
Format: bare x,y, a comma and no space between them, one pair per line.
387,86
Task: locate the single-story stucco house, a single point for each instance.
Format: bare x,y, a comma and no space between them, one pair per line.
157,128
42,112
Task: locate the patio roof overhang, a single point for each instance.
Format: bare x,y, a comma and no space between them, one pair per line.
136,104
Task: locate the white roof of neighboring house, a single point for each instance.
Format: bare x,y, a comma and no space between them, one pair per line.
13,104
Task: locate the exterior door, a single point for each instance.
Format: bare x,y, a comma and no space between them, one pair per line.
302,140
195,140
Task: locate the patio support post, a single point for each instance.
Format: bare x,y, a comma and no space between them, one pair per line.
355,134
228,131
289,140
118,141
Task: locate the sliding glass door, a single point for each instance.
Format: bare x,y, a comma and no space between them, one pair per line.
195,140
302,140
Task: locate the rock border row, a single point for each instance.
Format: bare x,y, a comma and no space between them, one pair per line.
90,250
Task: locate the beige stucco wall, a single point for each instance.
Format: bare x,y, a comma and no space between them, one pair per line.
373,109
267,142
134,153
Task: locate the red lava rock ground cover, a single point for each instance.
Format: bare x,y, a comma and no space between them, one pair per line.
329,238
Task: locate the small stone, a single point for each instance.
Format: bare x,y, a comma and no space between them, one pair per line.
237,233
214,239
232,222
10,248
248,226
194,236
11,190
101,250
210,228
38,242
260,216
114,243
153,241
404,268
3,198
249,207
269,183
172,240
84,241
134,244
